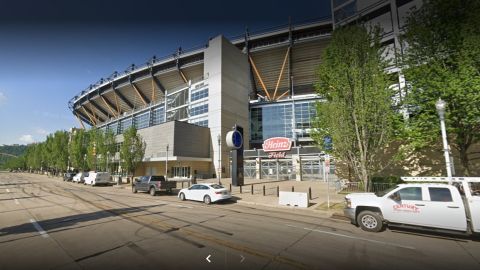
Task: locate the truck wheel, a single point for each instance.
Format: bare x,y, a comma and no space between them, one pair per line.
182,197
207,199
370,221
152,191
134,189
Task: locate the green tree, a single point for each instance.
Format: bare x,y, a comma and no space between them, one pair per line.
357,114
60,150
442,60
78,149
132,150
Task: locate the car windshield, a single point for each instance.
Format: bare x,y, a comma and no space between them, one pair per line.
157,178
215,186
383,192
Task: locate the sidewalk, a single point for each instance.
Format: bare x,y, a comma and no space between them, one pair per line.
318,203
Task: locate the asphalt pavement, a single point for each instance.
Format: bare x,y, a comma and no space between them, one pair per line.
50,224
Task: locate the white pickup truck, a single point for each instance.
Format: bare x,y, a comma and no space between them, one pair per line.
428,202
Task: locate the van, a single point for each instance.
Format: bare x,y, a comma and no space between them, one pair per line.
95,178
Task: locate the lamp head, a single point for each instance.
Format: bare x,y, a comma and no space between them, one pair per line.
440,106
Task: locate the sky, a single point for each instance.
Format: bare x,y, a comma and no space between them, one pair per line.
51,50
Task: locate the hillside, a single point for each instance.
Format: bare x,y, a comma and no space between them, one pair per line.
16,150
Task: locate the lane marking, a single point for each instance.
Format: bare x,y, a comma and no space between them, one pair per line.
16,201
37,226
8,190
353,237
181,206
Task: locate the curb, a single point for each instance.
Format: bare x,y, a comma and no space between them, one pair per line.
324,212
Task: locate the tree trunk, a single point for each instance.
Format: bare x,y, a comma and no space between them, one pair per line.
465,161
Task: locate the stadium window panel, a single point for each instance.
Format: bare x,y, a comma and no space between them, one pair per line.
177,99
113,127
199,94
158,116
125,124
177,114
142,120
199,110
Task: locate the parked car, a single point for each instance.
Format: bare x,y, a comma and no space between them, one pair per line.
68,176
79,177
432,203
95,178
153,184
208,193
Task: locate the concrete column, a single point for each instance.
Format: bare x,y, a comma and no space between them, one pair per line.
297,163
258,168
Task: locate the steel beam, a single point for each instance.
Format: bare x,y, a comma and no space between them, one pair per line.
100,109
259,77
158,83
281,73
79,120
140,94
122,97
89,116
109,106
83,117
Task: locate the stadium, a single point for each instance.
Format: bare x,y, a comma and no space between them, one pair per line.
183,104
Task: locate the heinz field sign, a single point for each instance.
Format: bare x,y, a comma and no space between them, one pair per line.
277,146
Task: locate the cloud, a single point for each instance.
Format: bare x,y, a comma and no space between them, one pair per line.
42,131
3,98
27,139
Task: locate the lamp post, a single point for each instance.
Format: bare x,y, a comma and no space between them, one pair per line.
108,156
166,164
440,106
219,139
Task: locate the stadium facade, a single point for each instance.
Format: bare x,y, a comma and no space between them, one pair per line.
184,104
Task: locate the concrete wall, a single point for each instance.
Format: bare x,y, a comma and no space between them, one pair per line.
158,167
227,70
183,139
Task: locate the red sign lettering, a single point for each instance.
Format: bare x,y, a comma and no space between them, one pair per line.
277,144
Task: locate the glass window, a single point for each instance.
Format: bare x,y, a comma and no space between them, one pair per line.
199,110
142,120
158,116
125,124
474,188
411,193
199,94
215,186
177,99
345,12
178,114
440,195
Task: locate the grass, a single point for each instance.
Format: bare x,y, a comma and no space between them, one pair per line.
333,206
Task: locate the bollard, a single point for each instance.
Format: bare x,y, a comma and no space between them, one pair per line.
278,191
293,188
182,184
309,193
252,188
263,190
230,188
240,189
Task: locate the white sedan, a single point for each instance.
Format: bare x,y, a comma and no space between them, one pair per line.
207,193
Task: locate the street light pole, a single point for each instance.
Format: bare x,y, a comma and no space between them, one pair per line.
219,139
440,106
166,164
108,156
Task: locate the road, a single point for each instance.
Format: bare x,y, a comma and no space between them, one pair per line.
50,224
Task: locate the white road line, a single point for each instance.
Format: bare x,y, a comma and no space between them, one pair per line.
181,206
37,226
353,237
16,201
8,190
